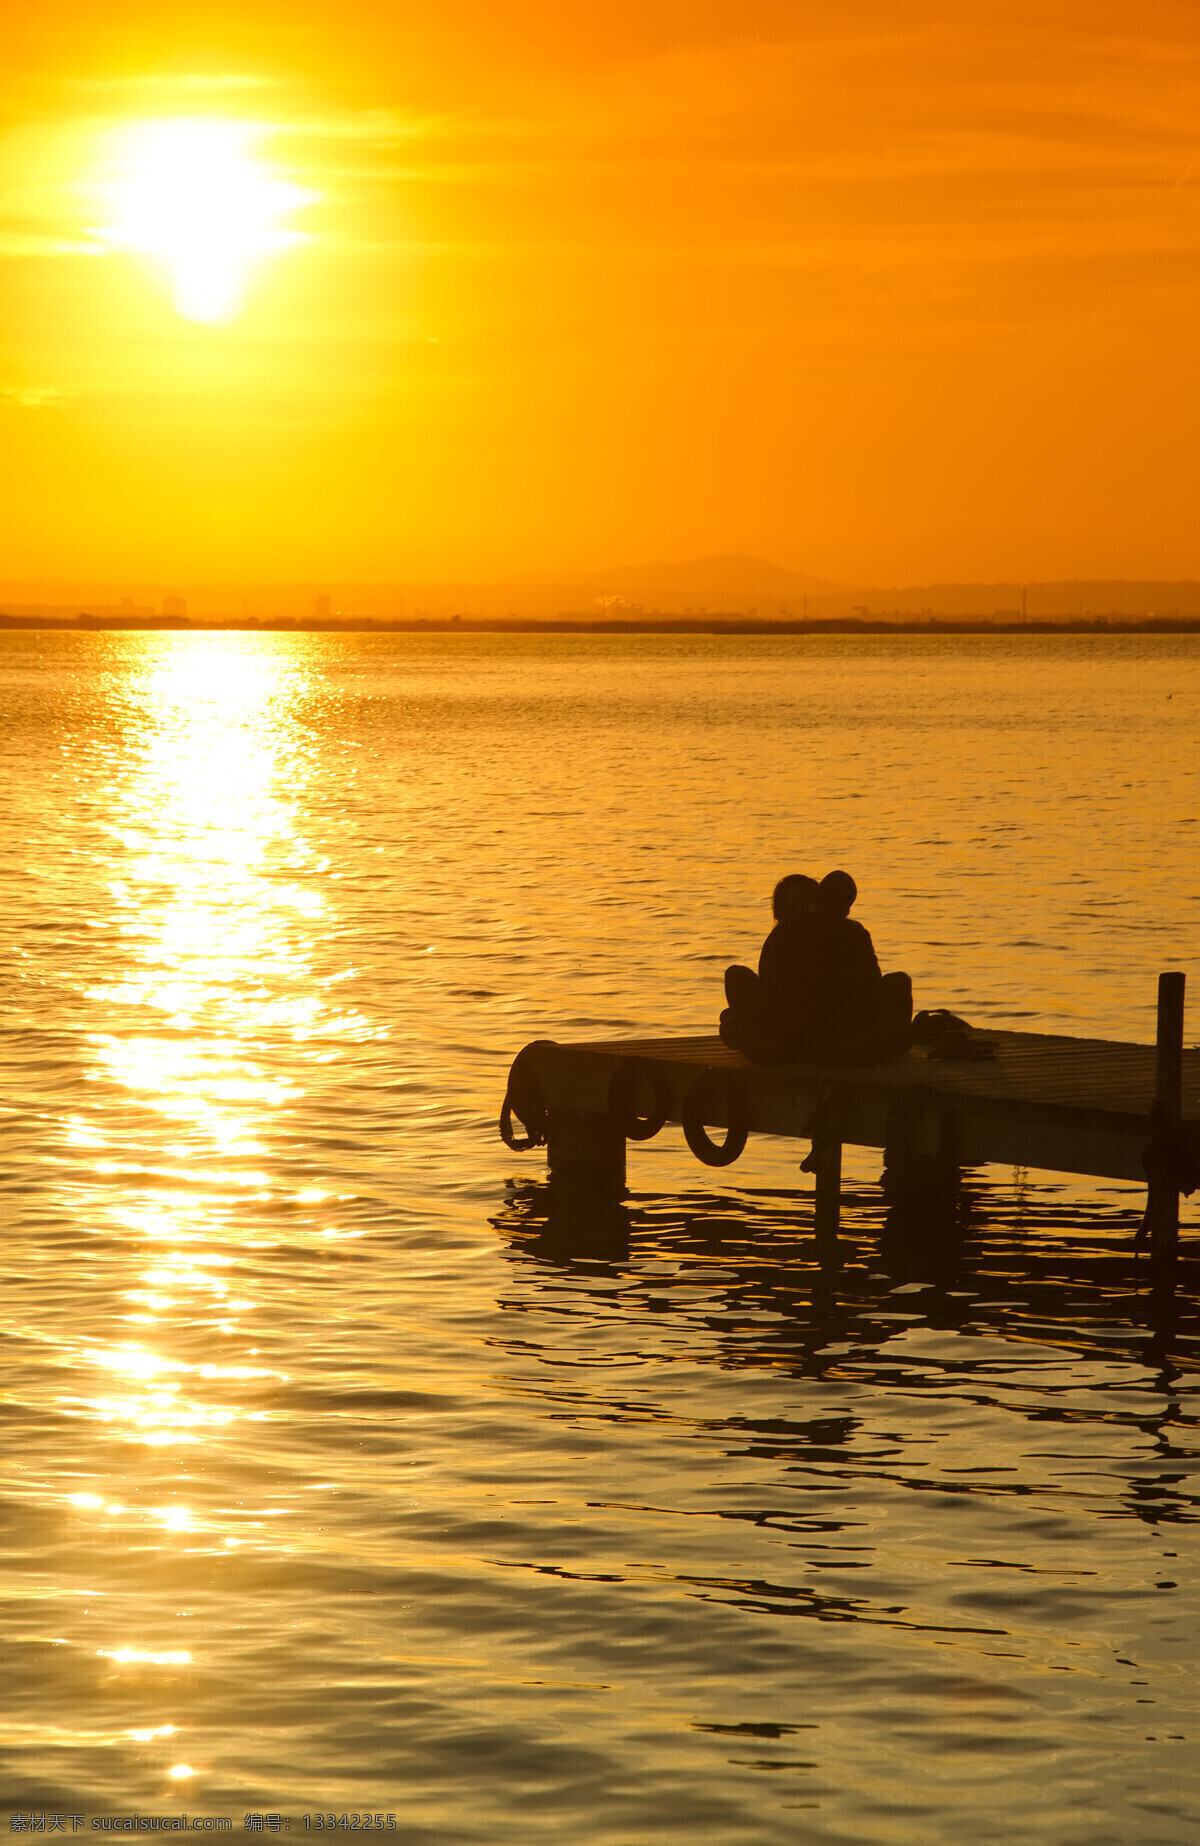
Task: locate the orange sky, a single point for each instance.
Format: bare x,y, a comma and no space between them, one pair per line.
882,293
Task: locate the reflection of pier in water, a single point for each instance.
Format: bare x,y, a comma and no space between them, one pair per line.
740,1283
1069,1105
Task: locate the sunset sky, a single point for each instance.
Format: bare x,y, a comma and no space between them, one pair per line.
882,293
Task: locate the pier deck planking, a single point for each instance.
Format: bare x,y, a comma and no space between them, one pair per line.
1071,1105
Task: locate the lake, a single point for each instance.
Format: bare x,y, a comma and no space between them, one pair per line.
348,1473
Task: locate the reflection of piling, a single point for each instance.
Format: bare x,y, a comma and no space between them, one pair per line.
562,1223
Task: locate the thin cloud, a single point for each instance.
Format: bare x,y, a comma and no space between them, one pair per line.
41,243
183,82
35,397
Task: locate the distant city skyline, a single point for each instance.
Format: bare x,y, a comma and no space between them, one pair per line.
713,586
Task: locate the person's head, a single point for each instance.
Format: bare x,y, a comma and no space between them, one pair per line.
835,894
794,896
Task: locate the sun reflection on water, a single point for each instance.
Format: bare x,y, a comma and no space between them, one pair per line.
128,1656
216,874
216,901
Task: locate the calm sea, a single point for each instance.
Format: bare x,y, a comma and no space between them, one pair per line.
342,1475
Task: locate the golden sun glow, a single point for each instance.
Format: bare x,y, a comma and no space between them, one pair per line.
194,194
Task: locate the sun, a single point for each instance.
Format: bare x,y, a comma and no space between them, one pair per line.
195,193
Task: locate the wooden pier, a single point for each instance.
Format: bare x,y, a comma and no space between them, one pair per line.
1069,1105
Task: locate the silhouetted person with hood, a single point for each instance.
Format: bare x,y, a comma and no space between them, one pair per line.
767,1012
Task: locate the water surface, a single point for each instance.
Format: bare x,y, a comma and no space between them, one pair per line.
348,1470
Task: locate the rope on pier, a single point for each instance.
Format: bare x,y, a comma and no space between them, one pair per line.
525,1098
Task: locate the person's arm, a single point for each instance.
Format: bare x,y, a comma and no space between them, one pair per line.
771,957
863,960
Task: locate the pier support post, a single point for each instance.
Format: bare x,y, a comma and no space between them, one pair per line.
586,1152
921,1175
826,1160
1161,1222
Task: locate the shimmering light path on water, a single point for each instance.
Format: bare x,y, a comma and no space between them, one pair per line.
343,1471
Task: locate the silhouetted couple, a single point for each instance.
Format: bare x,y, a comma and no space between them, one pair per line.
818,996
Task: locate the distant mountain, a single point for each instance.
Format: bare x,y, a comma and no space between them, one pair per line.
700,577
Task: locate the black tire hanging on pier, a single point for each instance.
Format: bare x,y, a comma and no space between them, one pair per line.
524,1098
622,1099
719,1090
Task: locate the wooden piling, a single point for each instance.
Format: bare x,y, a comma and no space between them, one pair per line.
826,1160
1166,1115
1168,1049
586,1151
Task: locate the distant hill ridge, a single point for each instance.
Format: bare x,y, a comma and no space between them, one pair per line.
735,574
730,584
